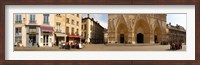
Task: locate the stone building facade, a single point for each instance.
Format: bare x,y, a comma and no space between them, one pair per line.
105,36
46,30
73,27
92,31
136,28
176,33
59,28
67,28
33,30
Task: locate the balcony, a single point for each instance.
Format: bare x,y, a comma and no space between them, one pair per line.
32,22
18,22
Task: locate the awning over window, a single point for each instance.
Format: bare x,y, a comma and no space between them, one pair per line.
60,35
74,36
46,28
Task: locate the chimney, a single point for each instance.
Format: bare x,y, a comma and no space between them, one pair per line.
88,15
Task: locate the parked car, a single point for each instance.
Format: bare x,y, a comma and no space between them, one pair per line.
75,45
175,45
65,45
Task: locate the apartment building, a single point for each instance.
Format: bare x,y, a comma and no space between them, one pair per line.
33,30
92,31
67,28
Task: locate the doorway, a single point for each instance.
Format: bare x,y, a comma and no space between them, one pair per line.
32,39
121,38
155,39
45,40
140,38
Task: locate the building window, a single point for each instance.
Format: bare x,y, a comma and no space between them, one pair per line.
18,18
58,27
84,34
67,30
85,26
81,26
91,27
72,21
18,37
32,18
72,31
77,31
67,20
46,18
77,23
18,30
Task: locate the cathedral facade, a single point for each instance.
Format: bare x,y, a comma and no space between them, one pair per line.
136,28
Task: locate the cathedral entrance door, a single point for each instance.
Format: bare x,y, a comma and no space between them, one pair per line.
140,38
121,38
155,39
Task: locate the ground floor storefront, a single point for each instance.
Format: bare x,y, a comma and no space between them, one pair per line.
59,37
32,35
73,39
38,36
46,36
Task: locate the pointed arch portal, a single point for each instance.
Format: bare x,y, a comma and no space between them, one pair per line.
142,31
122,33
140,38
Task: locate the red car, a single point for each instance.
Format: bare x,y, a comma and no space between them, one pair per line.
75,45
175,46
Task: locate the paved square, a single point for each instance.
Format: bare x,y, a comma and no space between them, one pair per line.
102,47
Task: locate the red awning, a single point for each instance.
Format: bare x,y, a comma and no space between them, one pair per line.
46,28
74,36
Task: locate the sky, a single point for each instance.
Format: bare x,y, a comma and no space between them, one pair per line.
179,19
174,19
101,18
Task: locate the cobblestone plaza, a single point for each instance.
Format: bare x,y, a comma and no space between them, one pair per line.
102,47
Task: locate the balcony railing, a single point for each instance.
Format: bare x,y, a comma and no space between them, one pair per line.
32,22
17,22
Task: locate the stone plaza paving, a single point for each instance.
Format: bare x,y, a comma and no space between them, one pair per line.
102,47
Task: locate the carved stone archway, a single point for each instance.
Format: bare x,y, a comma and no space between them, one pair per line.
142,27
122,33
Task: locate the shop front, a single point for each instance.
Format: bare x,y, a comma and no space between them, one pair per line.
60,37
32,36
73,38
46,36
